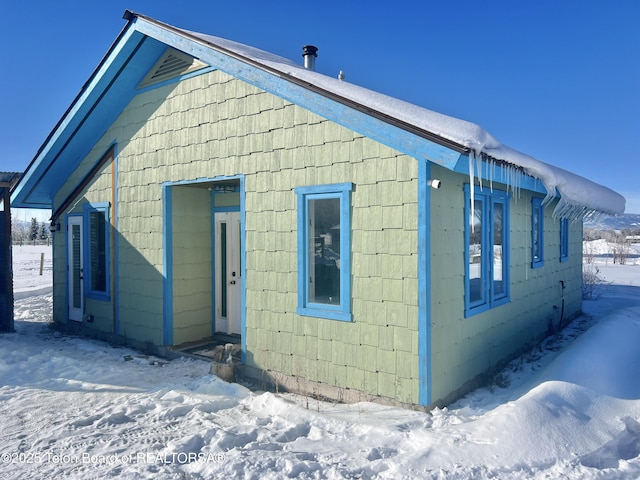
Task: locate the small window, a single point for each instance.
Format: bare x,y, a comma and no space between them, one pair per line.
324,257
564,240
537,233
97,243
486,250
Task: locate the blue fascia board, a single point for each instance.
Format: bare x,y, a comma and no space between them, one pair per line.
101,100
114,84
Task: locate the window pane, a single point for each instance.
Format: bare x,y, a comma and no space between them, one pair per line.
564,239
76,265
324,251
97,249
223,269
475,252
498,244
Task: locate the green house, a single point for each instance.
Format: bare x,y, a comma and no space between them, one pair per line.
356,246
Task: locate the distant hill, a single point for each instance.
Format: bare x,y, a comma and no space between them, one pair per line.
625,221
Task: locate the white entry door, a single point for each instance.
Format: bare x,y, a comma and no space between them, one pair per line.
227,272
75,268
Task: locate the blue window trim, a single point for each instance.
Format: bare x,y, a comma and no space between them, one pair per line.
490,299
564,240
537,208
88,208
306,308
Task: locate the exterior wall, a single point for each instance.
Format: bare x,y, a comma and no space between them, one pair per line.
213,125
464,348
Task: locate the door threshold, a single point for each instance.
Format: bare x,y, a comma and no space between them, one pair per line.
209,347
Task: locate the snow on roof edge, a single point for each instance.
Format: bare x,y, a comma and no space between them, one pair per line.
579,197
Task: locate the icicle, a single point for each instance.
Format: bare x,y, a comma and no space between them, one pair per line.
478,159
573,213
492,172
472,192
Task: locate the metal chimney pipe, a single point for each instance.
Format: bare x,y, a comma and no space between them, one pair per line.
309,52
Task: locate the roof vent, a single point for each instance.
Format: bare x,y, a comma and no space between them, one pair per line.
173,63
309,52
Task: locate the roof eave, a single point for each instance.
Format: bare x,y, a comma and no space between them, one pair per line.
40,164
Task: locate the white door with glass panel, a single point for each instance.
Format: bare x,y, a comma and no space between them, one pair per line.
228,283
75,268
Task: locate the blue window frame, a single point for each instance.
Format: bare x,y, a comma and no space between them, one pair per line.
324,251
96,248
537,233
564,239
487,250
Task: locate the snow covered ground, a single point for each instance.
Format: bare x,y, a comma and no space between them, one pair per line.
76,408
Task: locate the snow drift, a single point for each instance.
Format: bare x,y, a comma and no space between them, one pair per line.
76,408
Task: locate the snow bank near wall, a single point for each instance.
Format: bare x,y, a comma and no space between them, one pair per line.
76,408
579,197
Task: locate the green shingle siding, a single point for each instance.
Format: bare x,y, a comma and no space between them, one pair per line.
213,125
464,348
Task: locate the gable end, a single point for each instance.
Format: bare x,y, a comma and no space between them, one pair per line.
171,64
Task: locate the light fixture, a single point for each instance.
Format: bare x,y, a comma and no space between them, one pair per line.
434,183
54,226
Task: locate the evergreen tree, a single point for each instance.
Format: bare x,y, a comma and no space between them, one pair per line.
44,231
35,229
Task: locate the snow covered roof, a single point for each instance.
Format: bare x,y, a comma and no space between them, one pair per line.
436,137
579,197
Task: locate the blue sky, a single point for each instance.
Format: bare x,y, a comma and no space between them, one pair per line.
558,80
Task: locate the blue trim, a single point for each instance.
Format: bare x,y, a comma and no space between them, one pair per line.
537,250
213,263
224,209
564,240
341,191
468,205
88,208
489,298
167,265
424,284
102,98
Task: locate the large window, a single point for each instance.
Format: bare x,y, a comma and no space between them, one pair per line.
486,250
324,257
564,240
97,250
537,233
